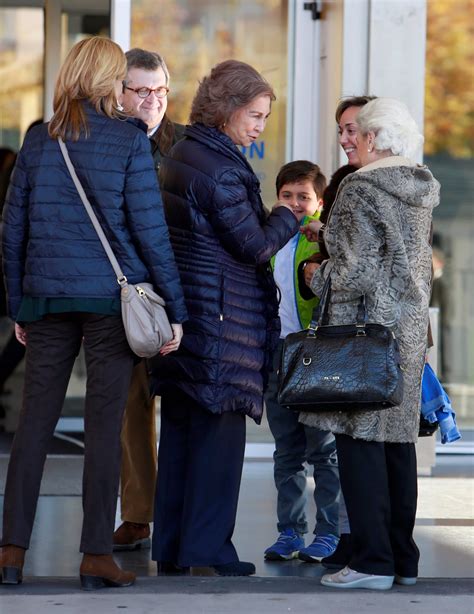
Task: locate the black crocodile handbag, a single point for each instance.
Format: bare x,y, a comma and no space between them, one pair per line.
346,367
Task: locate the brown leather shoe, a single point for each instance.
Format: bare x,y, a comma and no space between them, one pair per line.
132,536
12,559
100,571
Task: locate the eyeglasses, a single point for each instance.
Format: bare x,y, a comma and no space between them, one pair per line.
144,92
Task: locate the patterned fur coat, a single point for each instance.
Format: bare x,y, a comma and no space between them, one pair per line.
378,241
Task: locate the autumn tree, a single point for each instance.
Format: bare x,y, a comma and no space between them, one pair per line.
449,93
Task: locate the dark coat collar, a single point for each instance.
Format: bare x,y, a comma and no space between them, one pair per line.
91,110
217,141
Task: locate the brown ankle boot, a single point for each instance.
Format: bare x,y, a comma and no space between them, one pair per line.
100,570
132,536
12,559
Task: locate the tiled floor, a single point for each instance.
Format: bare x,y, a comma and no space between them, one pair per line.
444,529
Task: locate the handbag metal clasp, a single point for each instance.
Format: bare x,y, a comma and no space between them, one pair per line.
360,330
141,291
312,330
306,361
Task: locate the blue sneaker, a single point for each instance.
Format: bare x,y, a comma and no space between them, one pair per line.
322,546
286,546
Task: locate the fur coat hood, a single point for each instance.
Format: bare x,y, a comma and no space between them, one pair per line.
412,184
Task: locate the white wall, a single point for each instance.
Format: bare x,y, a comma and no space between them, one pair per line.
384,52
120,22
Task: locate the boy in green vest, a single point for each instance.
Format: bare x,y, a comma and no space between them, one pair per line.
300,184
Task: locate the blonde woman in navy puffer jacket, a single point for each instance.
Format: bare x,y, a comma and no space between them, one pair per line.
62,293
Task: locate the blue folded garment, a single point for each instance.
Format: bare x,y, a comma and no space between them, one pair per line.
436,406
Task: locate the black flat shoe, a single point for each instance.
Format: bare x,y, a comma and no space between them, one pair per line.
165,568
237,568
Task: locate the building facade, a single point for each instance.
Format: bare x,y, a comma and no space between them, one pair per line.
313,54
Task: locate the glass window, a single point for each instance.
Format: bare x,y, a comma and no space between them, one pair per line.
194,35
449,149
77,25
21,72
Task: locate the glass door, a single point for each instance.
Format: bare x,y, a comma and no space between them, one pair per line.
21,72
194,35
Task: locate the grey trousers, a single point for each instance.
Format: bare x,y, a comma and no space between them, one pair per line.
52,346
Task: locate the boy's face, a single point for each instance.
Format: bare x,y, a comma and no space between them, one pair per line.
301,197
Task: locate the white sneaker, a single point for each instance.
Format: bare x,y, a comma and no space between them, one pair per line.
405,581
348,578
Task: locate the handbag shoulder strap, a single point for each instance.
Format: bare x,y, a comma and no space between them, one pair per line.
121,279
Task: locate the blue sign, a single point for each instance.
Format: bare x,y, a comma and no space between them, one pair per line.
256,150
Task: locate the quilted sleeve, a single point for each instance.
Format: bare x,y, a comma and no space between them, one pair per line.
148,227
239,227
15,233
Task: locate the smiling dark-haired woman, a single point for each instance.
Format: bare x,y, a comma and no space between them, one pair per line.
223,241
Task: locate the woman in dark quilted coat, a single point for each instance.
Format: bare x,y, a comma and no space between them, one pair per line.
378,240
62,293
223,241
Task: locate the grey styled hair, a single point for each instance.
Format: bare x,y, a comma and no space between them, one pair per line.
146,60
394,127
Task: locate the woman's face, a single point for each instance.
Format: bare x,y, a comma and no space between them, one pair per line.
366,151
348,134
247,123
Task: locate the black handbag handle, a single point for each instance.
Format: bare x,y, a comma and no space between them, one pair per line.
320,315
320,312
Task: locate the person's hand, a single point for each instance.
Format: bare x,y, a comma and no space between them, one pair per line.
311,230
20,334
308,272
298,214
173,345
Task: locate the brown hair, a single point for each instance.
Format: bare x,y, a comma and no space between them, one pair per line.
351,101
146,60
230,86
299,171
89,73
330,192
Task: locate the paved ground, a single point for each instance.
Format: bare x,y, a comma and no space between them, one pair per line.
235,595
444,532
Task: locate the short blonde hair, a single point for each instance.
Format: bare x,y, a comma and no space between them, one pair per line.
89,73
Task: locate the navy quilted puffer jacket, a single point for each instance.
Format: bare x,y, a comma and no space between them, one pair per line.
50,248
223,240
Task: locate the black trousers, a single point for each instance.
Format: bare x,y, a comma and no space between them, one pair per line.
379,483
11,356
200,462
52,346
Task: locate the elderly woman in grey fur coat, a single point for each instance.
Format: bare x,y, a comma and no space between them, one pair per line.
378,240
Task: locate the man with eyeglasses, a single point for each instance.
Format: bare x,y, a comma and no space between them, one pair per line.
145,92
